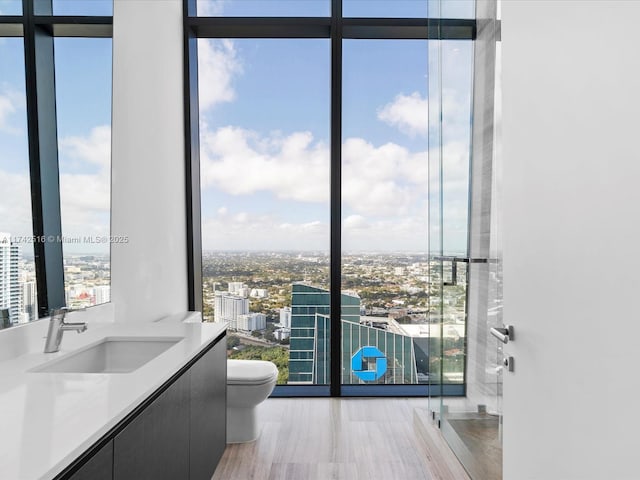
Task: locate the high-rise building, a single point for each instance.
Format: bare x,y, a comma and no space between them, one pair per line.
10,292
102,294
29,301
252,321
309,352
238,288
227,308
285,317
282,333
259,293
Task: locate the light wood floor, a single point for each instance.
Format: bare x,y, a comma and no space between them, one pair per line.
348,438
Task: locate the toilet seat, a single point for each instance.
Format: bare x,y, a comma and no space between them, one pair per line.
250,372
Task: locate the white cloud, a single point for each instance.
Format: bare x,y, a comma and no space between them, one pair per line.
218,63
210,8
241,162
385,197
15,207
9,104
409,113
85,196
247,231
85,186
384,187
85,175
456,115
93,150
407,233
382,181
355,222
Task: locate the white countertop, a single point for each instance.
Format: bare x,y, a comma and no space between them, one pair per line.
47,420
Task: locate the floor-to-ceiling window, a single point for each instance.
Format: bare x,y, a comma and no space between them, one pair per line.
55,120
309,123
384,207
264,173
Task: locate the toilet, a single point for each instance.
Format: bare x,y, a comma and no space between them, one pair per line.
249,383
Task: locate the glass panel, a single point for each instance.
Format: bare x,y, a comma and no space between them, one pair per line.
469,304
456,8
452,76
83,7
264,147
384,212
18,300
450,70
264,8
436,262
385,8
408,8
83,77
10,7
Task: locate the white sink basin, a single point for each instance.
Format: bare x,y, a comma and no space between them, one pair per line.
111,355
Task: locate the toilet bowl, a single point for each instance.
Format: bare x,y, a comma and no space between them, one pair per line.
249,382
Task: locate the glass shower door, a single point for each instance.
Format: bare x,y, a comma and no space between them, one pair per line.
465,276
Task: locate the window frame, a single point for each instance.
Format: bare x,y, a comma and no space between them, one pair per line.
336,28
38,26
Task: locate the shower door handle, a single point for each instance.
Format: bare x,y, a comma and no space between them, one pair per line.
504,334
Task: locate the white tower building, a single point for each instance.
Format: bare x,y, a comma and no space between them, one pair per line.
102,294
228,307
252,321
29,301
10,292
285,317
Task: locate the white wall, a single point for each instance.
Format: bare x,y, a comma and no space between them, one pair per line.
148,274
571,172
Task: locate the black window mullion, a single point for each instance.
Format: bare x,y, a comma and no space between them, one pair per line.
43,159
192,162
336,197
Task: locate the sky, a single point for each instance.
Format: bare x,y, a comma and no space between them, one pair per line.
83,107
264,123
350,8
264,111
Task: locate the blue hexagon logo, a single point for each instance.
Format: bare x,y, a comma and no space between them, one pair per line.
364,359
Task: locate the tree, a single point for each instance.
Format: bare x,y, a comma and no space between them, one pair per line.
232,341
278,355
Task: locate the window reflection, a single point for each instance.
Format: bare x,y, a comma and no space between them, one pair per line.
83,77
18,299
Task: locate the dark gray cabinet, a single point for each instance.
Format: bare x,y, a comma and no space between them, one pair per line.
98,467
155,445
208,412
177,434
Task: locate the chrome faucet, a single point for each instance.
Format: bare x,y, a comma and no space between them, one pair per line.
57,327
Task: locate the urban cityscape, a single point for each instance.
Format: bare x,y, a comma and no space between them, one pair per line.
87,282
277,307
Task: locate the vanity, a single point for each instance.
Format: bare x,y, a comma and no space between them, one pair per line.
120,401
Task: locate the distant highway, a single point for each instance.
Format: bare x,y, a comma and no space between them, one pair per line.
250,340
